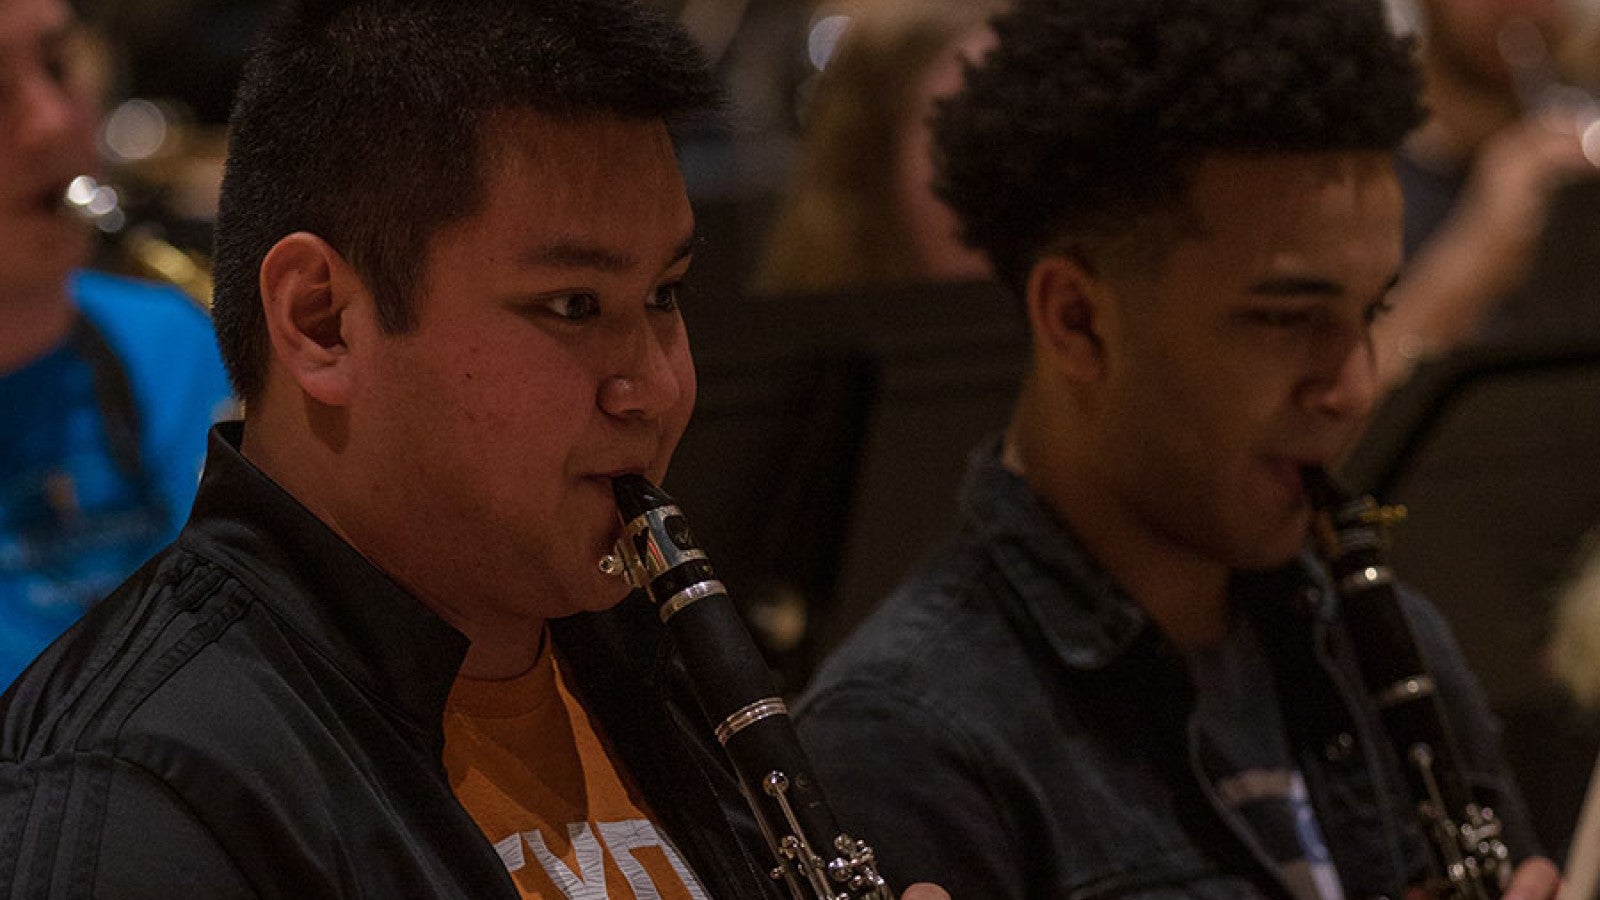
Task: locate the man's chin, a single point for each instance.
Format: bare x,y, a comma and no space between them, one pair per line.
603,592
39,268
1279,548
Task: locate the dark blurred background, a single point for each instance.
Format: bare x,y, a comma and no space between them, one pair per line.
174,63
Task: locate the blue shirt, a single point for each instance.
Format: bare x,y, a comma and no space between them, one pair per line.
78,513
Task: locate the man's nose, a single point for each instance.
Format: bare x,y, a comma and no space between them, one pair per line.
646,383
1345,386
43,109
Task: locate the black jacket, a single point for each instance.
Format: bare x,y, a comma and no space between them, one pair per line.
258,712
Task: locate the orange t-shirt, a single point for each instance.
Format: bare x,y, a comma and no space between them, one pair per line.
531,770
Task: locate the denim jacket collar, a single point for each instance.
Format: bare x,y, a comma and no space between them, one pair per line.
1100,623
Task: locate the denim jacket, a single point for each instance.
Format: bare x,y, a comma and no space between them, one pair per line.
1010,724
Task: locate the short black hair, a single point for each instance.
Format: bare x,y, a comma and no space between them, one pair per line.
360,120
1090,114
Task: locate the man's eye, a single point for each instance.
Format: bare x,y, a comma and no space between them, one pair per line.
574,307
56,67
665,297
60,55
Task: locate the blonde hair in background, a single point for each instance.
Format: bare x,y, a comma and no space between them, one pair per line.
839,225
1573,653
1581,880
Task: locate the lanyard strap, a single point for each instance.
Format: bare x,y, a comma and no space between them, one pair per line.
114,396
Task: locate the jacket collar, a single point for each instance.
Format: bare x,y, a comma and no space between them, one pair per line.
388,643
1087,618
384,639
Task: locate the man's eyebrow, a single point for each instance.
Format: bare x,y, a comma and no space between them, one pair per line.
1309,286
1297,286
685,249
577,254
50,40
573,254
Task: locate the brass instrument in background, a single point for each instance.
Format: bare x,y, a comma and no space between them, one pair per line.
141,248
1472,862
162,168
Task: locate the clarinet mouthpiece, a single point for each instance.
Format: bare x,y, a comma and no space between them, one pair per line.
637,496
1325,492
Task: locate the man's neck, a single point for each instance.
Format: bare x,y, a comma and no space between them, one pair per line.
1183,592
503,645
498,653
32,324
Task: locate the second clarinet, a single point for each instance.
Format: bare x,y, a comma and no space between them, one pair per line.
730,679
1472,861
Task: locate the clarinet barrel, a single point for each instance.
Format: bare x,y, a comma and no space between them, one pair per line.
735,689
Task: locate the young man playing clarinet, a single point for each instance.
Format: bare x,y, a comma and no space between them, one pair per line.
1125,677
380,660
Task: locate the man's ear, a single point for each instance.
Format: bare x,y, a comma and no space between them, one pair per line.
307,289
1069,313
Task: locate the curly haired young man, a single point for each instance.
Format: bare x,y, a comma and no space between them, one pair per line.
1124,678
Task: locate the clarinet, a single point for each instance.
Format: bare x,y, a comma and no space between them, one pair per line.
1472,862
734,687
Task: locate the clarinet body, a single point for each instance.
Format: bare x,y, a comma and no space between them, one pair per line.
734,687
1472,863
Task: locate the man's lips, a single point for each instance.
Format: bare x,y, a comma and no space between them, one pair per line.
602,480
43,201
1290,471
608,474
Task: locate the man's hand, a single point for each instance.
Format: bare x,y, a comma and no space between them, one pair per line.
1504,207
1485,247
924,891
1536,879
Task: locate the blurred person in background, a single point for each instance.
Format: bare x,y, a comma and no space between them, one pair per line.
859,211
1480,175
107,385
